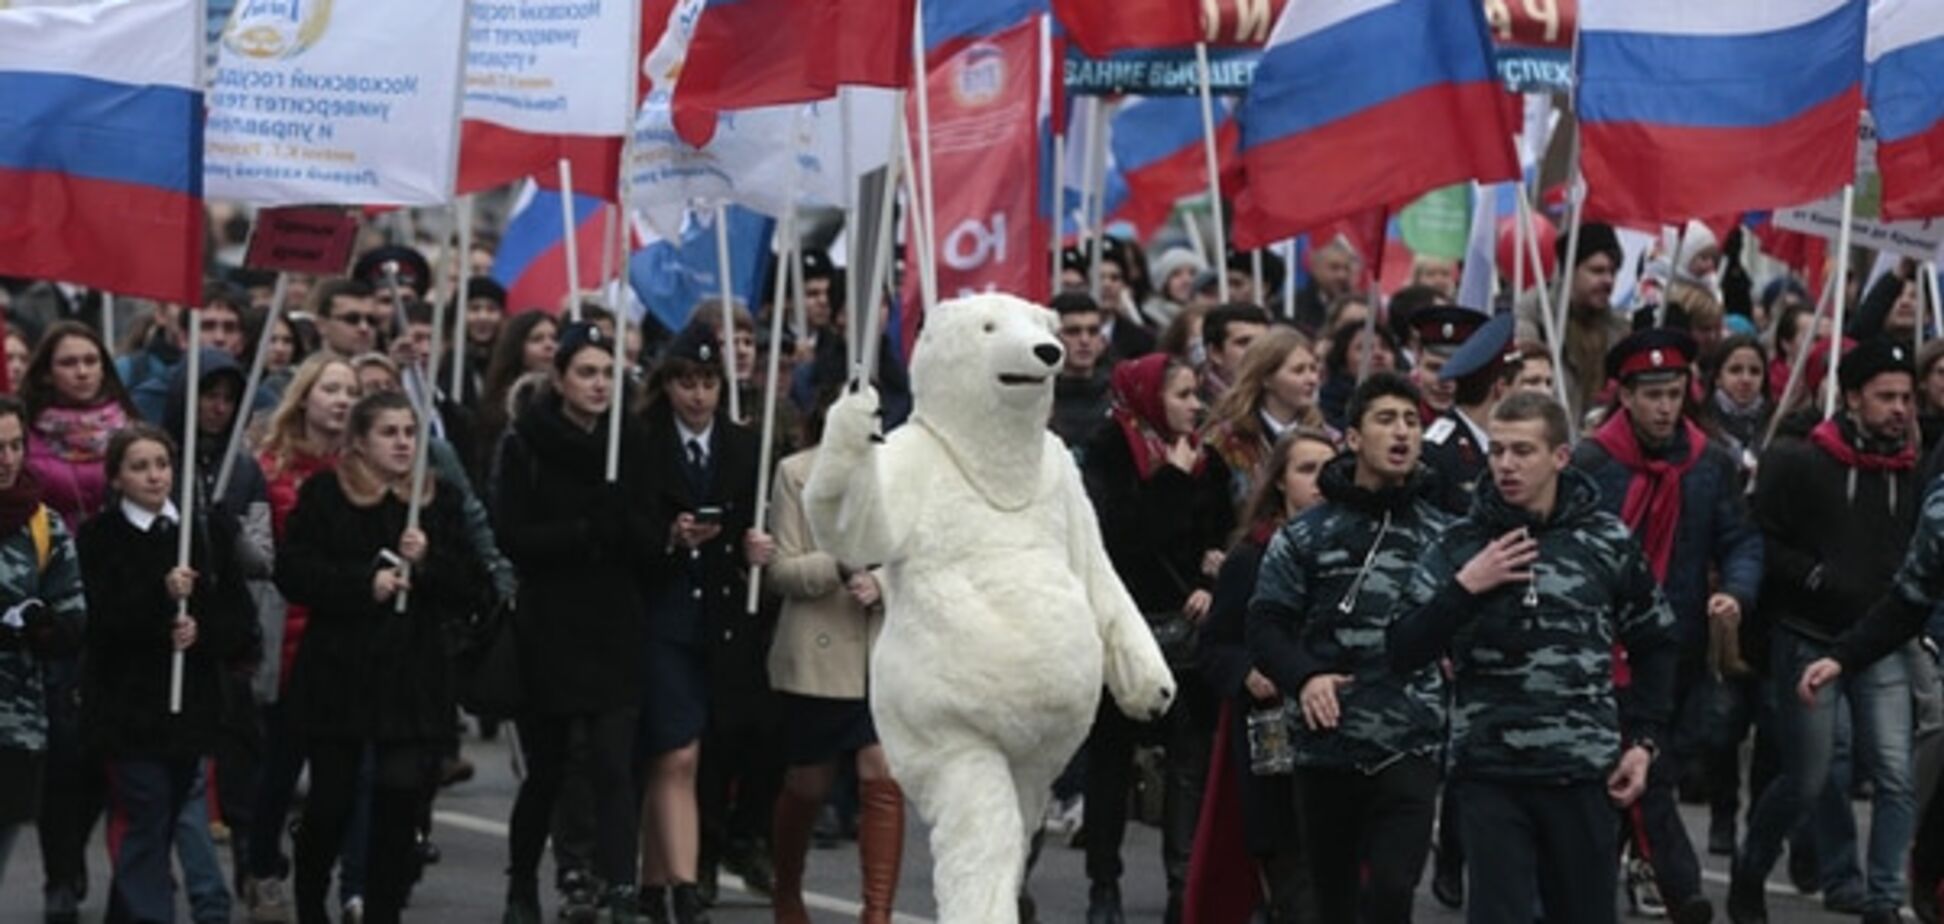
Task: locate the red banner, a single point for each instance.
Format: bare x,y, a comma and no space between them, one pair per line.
1241,23
984,136
1532,23
302,239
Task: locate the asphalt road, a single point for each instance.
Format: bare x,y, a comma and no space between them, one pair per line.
468,885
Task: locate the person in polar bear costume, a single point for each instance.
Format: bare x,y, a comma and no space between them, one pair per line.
1003,614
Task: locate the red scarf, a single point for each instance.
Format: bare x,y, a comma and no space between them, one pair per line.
1141,410
1828,436
1653,505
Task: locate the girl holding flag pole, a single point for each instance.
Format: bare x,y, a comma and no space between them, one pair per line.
160,634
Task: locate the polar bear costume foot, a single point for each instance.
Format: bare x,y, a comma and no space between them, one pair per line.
1004,615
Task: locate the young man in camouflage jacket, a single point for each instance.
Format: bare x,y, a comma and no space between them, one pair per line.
1529,595
1368,743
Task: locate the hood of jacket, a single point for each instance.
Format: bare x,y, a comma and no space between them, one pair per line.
1338,482
216,364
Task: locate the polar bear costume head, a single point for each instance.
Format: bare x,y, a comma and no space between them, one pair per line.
982,382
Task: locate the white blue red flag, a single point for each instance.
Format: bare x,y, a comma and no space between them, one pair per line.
532,258
1905,88
671,276
1158,148
101,144
1366,104
1715,108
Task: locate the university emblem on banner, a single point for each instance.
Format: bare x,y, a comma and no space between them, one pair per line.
275,29
981,76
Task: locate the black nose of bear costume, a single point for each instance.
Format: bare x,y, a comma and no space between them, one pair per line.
1048,354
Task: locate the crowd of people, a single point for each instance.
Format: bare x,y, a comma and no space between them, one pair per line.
1442,614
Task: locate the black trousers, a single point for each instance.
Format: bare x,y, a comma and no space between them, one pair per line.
76,791
740,773
401,770
1558,841
1373,832
1655,820
547,742
1185,734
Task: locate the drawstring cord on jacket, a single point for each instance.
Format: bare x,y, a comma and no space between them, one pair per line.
1349,602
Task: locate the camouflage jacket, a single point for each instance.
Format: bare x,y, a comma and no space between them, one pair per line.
54,631
1913,594
1534,697
1330,586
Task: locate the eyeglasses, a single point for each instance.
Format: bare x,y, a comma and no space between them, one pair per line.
357,319
222,327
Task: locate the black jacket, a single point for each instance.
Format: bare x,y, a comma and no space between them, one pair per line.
1156,531
364,670
700,597
125,675
1828,554
1268,802
583,550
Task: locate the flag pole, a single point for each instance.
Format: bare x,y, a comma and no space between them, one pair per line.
1554,336
567,228
238,426
1214,158
919,226
1096,205
1936,297
1289,280
624,218
786,243
422,451
726,346
186,508
1060,213
463,298
881,251
1255,276
108,319
851,254
1830,388
921,84
612,223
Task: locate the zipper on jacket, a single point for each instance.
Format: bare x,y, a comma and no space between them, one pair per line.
1349,602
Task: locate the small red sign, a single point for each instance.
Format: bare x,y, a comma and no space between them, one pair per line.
306,239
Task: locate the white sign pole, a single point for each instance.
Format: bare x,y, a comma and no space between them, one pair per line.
1220,262
1830,388
186,508
568,227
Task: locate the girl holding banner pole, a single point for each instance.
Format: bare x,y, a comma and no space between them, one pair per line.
160,636
369,679
579,544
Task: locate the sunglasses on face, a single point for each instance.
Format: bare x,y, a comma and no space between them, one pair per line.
222,327
358,319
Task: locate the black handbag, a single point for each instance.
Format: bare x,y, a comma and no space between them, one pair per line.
491,685
1180,639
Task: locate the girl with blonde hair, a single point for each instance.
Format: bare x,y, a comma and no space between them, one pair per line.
1275,391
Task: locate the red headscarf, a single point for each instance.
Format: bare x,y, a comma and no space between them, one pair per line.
1141,410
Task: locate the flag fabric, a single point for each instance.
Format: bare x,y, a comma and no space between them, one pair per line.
1712,108
671,275
878,53
541,90
1904,84
950,26
1366,104
1102,27
749,53
1158,148
1480,268
101,146
532,258
985,135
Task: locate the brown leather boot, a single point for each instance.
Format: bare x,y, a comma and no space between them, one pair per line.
880,847
790,825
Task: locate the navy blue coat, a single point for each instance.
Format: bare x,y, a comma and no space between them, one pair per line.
1715,532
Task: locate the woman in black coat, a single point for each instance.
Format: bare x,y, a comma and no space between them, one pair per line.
581,546
134,591
369,678
1269,825
1165,516
708,723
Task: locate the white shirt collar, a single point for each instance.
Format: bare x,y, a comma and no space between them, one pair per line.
682,430
1275,427
142,519
1478,432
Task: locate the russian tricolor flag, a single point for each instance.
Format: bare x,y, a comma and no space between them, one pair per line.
1158,148
1693,108
101,142
532,258
1905,87
1362,104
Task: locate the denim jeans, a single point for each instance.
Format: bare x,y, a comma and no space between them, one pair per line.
1832,822
202,870
1879,708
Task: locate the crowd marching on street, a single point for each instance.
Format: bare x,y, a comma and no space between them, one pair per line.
326,457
